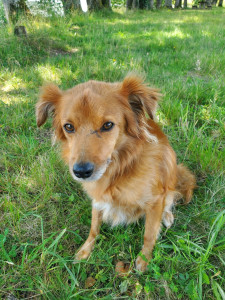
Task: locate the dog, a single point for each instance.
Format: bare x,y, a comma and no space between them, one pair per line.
115,149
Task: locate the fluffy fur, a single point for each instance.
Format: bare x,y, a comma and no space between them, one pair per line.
135,169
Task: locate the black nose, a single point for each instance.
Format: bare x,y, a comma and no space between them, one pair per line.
83,170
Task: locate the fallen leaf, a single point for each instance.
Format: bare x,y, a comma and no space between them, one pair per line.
90,281
122,269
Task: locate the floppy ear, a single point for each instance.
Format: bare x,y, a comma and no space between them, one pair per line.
49,98
141,98
140,103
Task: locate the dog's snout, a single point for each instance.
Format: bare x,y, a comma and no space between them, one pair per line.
83,170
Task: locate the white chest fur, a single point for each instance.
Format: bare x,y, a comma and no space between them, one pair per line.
114,215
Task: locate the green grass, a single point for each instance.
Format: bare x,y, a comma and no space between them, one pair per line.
44,214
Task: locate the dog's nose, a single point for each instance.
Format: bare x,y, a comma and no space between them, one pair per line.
83,170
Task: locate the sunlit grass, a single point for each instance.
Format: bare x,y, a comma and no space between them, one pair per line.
50,73
44,214
13,83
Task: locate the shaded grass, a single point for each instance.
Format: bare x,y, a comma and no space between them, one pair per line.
45,216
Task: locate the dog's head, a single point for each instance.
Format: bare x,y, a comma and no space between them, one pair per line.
95,119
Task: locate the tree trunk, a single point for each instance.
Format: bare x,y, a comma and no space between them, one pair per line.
158,3
96,4
13,8
84,5
168,3
69,5
151,4
6,5
185,3
135,4
178,3
220,3
129,4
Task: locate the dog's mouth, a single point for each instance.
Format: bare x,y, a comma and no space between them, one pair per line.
90,172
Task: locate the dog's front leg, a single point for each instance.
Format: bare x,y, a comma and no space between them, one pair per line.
87,247
152,227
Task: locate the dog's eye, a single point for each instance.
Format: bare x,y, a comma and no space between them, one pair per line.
69,128
107,126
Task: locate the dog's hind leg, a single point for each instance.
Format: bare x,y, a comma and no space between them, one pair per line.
88,246
168,217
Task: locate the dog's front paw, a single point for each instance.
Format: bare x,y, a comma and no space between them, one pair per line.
141,264
82,254
85,251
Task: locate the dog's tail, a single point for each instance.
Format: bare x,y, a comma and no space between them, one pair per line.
185,182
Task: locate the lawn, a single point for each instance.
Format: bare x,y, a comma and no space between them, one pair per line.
45,215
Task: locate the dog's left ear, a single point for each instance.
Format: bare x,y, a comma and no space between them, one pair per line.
141,98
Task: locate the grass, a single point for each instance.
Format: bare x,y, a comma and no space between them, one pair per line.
44,214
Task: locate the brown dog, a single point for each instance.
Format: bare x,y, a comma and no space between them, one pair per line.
120,155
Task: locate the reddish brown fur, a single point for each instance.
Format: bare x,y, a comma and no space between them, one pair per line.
142,178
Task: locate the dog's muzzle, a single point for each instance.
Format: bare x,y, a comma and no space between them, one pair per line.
83,170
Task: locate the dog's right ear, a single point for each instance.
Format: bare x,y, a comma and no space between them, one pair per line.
49,98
